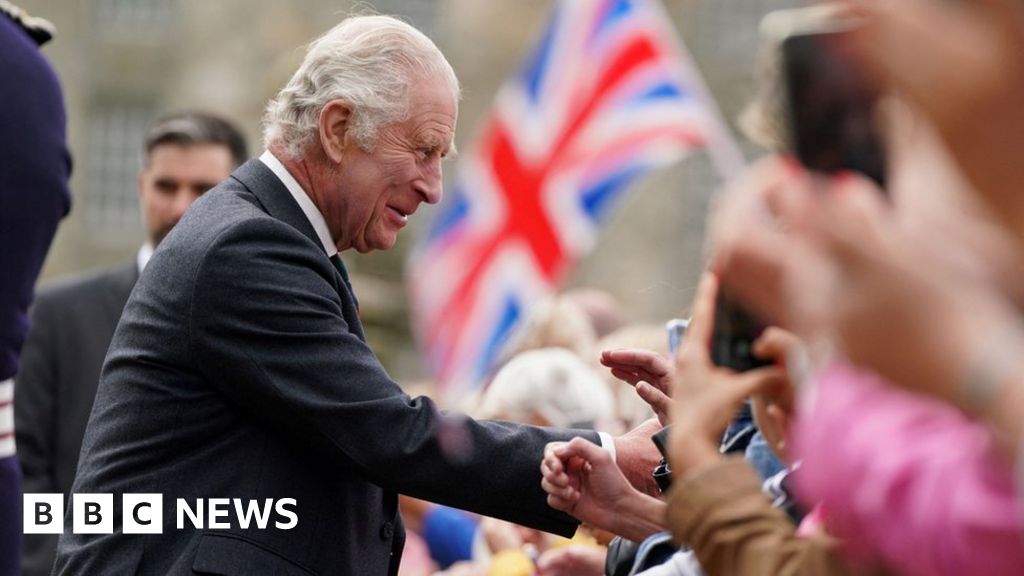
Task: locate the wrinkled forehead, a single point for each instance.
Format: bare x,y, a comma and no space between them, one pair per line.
433,106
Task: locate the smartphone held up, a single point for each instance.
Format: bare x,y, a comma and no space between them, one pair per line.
832,106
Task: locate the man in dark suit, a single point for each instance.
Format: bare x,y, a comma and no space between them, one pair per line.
34,170
240,368
73,320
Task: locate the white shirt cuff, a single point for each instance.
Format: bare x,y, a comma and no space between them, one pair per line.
607,443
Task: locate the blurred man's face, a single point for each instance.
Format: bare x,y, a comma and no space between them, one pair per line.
173,178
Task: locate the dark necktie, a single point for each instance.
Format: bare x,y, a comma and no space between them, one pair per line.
336,260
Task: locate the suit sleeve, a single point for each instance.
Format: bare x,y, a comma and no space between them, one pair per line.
733,529
35,389
267,324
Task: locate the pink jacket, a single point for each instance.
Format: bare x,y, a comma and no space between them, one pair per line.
907,479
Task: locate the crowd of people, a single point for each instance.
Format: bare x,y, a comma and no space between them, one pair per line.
881,432
894,395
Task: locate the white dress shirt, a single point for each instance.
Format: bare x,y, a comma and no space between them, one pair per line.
308,208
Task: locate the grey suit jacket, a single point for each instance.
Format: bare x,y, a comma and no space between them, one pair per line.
240,370
73,321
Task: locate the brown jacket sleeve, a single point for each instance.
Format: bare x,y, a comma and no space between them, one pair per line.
733,528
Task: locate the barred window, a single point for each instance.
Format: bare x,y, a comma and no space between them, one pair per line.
112,161
133,16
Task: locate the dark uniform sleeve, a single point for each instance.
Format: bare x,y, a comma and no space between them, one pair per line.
34,197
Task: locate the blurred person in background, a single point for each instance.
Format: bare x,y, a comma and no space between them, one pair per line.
548,387
73,319
555,322
602,309
34,196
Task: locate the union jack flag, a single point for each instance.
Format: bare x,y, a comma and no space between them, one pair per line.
607,95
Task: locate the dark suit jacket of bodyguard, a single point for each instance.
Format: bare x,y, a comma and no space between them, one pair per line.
73,321
239,370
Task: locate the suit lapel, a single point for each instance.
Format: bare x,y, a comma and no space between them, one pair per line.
279,203
274,196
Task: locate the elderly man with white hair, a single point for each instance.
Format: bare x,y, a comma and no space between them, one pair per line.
239,385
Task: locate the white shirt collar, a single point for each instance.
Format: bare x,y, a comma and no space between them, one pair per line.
145,253
308,208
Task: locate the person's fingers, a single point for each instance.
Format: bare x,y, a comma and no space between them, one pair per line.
557,488
636,377
637,360
754,268
559,481
552,465
584,451
550,447
562,493
656,399
617,355
556,477
889,26
632,375
552,456
792,200
850,220
749,383
627,376
698,333
774,344
560,503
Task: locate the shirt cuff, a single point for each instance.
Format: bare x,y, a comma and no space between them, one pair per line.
608,443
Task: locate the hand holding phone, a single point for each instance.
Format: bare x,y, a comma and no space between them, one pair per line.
832,104
734,334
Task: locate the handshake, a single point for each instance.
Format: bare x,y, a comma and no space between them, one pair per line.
696,397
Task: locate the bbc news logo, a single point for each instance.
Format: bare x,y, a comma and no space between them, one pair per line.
143,513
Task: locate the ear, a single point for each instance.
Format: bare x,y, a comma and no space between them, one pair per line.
335,120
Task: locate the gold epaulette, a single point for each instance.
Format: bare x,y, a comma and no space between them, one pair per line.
40,29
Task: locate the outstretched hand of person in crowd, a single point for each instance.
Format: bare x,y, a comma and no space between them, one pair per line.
704,396
582,480
907,45
648,372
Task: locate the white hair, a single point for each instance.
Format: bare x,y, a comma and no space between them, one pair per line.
552,382
371,62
